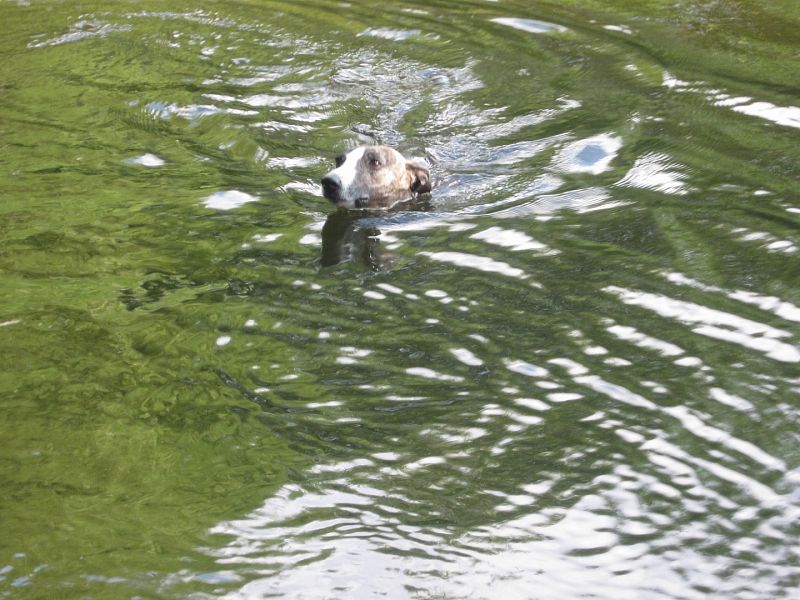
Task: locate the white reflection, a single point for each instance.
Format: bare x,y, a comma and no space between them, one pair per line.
82,30
307,187
656,172
393,35
530,25
228,200
572,367
560,397
362,541
786,116
431,374
614,391
310,239
620,28
591,155
581,201
191,111
663,453
374,295
692,423
714,323
461,436
473,261
350,355
731,400
532,403
387,456
265,74
283,162
508,238
266,238
770,347
357,352
771,243
390,288
596,351
630,334
466,357
524,368
146,160
424,462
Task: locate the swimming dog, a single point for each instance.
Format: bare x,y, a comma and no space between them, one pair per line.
375,177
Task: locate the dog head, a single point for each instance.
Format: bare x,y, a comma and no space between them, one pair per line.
375,177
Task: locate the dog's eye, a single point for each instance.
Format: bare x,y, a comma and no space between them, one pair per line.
340,160
375,163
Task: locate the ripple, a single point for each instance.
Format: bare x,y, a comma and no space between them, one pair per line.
786,116
657,172
694,424
437,424
82,30
769,241
191,112
394,35
545,206
715,323
777,306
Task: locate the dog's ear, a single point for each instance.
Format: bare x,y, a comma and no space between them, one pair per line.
420,176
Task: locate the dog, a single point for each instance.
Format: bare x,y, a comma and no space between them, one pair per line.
375,177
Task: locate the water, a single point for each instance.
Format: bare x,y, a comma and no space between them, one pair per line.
573,374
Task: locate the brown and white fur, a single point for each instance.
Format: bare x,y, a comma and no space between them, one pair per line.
375,177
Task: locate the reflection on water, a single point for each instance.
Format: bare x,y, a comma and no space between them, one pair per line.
787,116
572,373
344,239
228,200
529,25
716,324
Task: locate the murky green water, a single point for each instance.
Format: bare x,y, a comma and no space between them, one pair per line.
575,374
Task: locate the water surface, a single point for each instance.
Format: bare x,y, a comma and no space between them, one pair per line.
573,373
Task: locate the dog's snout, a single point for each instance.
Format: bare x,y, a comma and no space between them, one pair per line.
331,187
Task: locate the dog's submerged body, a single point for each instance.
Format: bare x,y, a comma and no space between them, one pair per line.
375,177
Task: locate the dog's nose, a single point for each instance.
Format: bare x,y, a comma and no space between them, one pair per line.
331,186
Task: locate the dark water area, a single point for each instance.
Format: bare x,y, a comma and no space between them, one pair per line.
573,373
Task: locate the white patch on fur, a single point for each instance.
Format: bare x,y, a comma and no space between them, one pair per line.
349,170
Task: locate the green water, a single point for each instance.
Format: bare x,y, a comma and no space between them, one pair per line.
574,374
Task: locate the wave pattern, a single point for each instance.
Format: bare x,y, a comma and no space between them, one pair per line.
574,373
